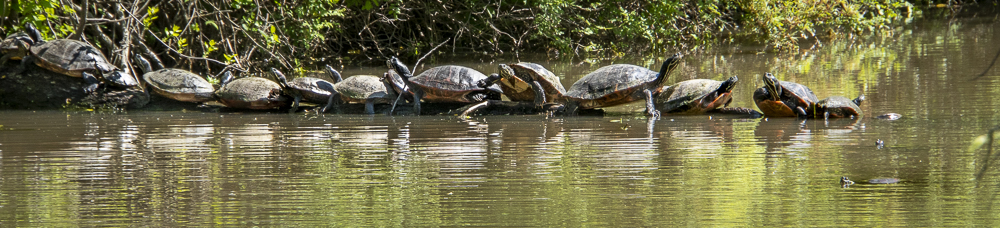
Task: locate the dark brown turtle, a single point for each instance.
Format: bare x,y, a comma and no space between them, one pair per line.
838,107
317,90
77,59
177,84
250,93
784,99
531,82
695,96
446,84
10,48
620,84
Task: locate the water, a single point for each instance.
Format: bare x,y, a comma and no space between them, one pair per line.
257,169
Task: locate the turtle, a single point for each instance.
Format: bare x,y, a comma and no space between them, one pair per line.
446,84
177,84
530,82
845,182
366,89
288,90
76,59
316,90
250,93
695,96
784,99
620,84
10,48
838,107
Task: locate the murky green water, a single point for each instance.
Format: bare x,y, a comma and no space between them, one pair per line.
244,169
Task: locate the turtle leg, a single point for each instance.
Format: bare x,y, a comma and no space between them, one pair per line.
417,95
539,93
650,107
24,64
572,107
370,106
329,102
92,82
800,111
8,56
295,104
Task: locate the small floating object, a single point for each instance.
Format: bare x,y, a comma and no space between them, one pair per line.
889,116
883,181
879,144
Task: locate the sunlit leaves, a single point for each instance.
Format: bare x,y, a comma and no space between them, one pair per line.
150,16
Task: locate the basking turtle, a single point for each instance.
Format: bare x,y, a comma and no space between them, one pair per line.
620,84
177,84
530,82
250,93
783,99
10,48
288,90
76,59
366,89
446,84
316,90
838,107
696,96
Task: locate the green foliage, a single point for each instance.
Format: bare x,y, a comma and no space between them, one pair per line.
262,34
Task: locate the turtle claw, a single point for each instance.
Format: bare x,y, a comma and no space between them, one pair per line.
90,88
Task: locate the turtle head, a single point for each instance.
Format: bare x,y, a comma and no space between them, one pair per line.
668,66
728,85
508,73
773,86
280,77
398,66
489,81
334,75
226,78
143,63
857,101
121,78
33,33
390,87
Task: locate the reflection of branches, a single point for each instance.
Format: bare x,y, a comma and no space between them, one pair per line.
989,152
994,62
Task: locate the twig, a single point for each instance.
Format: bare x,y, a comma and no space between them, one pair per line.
428,53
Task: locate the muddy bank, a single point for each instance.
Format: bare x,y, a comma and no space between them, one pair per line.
37,88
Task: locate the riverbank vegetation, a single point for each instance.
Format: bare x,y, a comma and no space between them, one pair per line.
249,35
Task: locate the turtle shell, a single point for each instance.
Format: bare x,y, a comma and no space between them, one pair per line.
179,85
695,96
784,104
838,106
70,57
314,90
516,88
359,88
452,84
252,93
